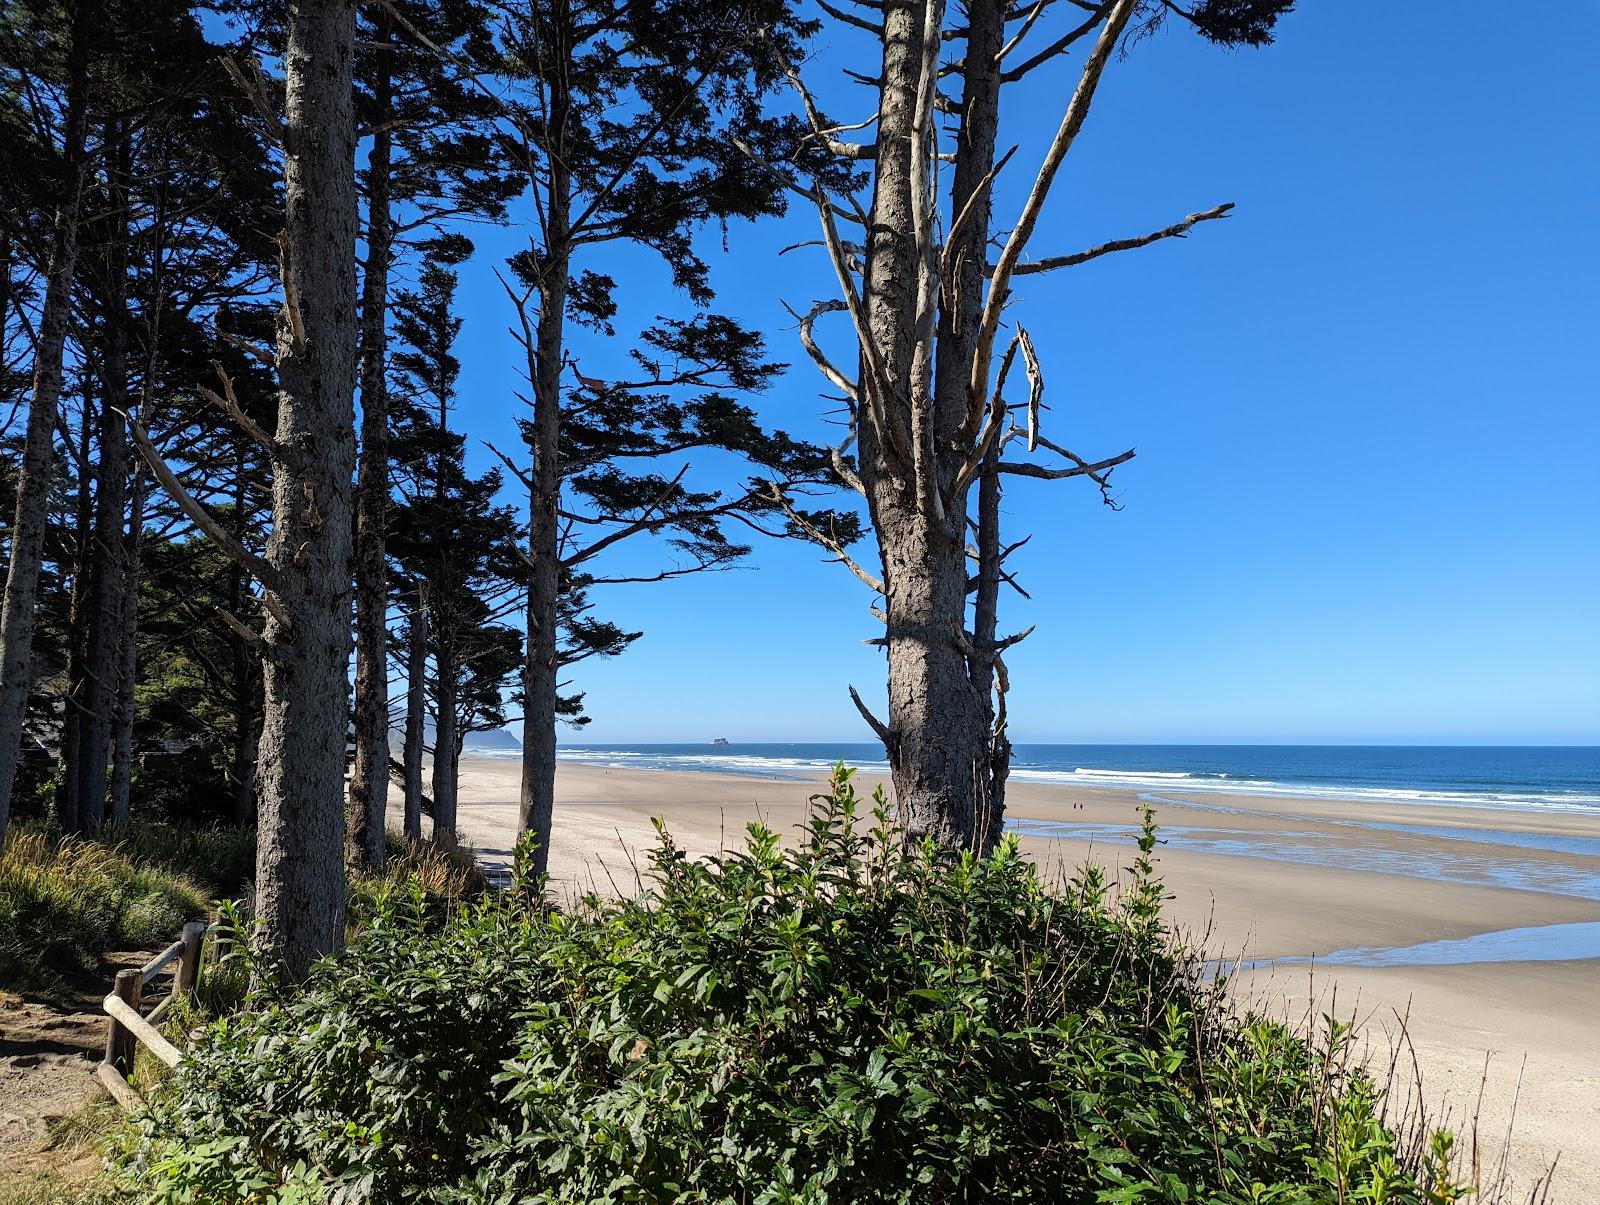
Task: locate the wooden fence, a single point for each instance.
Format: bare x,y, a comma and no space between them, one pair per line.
130,1026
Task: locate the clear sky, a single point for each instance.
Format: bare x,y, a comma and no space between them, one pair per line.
1366,505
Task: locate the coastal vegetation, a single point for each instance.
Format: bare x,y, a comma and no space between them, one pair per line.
845,1018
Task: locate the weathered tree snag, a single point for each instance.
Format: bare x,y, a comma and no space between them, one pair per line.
300,885
929,414
369,777
38,456
936,720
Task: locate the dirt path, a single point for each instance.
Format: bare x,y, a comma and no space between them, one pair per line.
49,1046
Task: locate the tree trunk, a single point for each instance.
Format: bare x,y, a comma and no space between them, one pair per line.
936,727
416,706
961,318
369,778
544,578
300,884
445,743
122,746
67,793
38,456
102,658
246,713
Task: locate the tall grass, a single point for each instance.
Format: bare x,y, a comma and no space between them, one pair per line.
64,902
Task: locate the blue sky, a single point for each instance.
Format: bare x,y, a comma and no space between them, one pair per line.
1366,502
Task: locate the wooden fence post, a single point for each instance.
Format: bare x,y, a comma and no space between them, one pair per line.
120,1043
194,935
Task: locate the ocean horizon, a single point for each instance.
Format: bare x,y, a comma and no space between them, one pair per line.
1522,777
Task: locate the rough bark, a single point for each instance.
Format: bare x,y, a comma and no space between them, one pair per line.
102,657
369,777
300,887
960,316
540,669
38,457
936,723
243,667
416,710
122,740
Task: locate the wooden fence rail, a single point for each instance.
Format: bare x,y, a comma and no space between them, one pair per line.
130,1026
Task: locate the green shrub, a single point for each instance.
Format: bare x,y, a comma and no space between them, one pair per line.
841,1021
65,902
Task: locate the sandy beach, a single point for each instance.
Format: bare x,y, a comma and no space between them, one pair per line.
1501,1013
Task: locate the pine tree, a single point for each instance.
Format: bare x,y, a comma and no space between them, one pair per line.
639,123
450,539
67,171
428,168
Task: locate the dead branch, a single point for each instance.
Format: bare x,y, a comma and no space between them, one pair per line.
879,728
237,626
254,87
228,402
1099,472
878,386
834,375
823,538
1035,386
257,567
1176,230
1072,120
1050,51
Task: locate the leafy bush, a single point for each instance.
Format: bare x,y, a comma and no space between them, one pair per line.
840,1021
65,902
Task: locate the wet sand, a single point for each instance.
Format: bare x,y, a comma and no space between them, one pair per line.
1278,882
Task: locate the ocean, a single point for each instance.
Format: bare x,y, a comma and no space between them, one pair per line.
1565,778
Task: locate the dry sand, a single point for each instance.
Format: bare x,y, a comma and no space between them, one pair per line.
1256,877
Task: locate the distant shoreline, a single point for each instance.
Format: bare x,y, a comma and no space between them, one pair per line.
1514,778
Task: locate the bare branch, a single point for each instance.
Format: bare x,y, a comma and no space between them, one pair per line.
255,566
839,14
520,474
1072,120
878,385
834,375
879,728
254,86
1001,646
1050,51
257,353
1035,386
237,626
1176,230
1098,472
823,538
228,402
